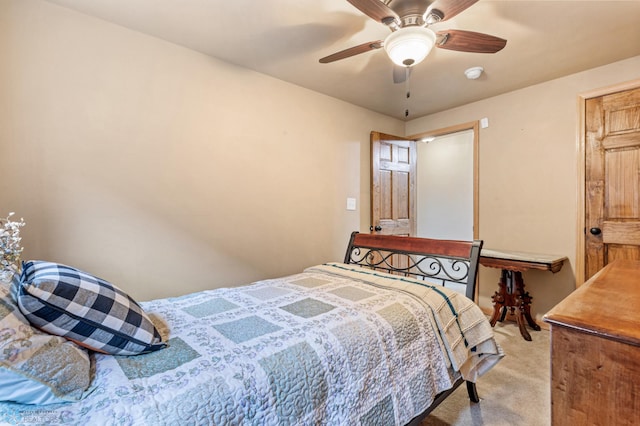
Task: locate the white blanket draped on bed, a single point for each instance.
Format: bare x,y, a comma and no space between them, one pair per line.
336,345
462,327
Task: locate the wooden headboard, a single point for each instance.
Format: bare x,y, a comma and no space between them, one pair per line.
443,261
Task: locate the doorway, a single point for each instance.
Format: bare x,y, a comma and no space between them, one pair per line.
393,177
444,186
447,182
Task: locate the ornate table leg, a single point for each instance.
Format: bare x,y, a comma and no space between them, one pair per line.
512,300
499,302
521,326
511,296
524,301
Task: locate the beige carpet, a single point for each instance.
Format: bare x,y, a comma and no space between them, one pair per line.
514,392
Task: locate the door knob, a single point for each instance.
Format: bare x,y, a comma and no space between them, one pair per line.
595,231
378,228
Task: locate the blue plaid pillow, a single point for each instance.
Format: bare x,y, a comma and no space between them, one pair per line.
92,312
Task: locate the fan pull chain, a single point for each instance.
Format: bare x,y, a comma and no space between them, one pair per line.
408,89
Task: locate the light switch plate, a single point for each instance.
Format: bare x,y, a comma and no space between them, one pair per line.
351,203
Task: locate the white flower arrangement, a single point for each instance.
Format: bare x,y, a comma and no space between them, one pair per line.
10,247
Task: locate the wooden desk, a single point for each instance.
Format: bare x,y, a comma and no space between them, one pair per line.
511,294
595,350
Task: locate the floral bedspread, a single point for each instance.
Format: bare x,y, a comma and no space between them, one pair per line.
333,345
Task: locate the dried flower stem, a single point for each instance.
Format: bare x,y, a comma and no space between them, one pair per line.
10,248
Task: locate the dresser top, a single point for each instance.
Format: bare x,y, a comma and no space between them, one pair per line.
607,305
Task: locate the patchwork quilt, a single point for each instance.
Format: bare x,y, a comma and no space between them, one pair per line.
335,345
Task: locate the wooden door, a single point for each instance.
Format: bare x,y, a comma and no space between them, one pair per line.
393,185
612,179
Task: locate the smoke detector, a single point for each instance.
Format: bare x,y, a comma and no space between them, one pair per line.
474,73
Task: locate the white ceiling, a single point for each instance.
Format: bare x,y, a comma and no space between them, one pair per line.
285,39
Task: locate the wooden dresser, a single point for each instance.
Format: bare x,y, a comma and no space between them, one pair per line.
595,350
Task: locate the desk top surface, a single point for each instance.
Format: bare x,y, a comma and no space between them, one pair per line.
519,260
522,256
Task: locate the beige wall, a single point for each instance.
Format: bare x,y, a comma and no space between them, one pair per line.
164,170
167,171
528,173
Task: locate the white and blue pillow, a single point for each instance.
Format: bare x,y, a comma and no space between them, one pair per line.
90,311
35,367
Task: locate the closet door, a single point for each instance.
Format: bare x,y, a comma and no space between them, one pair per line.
612,179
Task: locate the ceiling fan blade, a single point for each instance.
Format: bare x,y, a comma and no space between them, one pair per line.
401,74
449,8
376,10
469,41
352,51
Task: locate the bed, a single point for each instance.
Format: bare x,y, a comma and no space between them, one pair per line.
380,338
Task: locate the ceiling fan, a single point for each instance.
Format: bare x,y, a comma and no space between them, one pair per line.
411,39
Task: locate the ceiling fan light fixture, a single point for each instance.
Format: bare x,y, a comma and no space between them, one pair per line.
410,45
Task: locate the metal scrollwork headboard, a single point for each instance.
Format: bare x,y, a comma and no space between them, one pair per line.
439,261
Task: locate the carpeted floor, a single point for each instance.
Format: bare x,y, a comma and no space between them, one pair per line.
514,392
